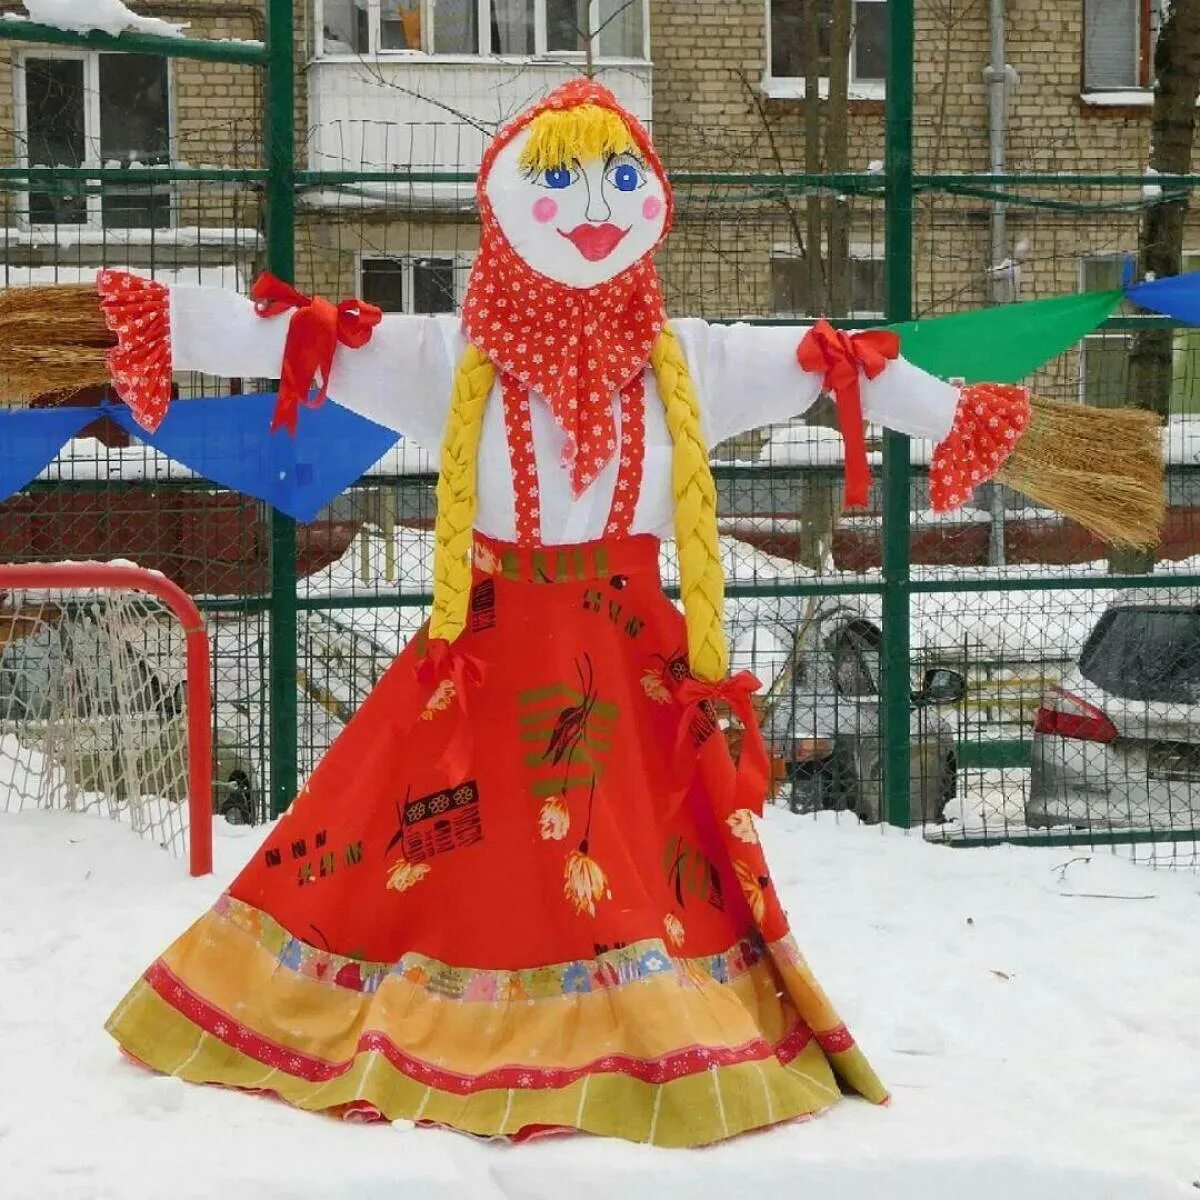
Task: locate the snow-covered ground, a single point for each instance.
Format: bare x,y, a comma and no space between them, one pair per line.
1033,1011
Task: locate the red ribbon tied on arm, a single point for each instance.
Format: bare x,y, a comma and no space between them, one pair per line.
838,357
754,765
314,332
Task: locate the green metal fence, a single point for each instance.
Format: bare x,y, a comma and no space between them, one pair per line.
842,618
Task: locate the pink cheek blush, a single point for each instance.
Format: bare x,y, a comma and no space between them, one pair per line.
545,210
651,207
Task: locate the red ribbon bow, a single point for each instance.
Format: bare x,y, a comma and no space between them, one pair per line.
839,357
754,765
443,661
316,328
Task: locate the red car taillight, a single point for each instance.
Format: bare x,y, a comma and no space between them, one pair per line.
1065,715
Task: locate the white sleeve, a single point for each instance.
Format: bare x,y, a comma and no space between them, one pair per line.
400,379
747,376
908,400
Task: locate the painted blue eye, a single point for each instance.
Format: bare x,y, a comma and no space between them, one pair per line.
627,177
558,177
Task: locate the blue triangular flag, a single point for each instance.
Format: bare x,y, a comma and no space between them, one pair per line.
30,440
1176,296
227,439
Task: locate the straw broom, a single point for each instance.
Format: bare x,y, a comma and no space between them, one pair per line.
52,340
1101,467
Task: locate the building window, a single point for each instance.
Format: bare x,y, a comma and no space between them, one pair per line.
790,291
787,53
414,283
344,27
509,28
1104,357
1118,43
96,110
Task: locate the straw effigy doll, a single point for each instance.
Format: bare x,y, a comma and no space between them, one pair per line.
523,891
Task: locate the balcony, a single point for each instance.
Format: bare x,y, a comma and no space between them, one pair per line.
421,85
423,112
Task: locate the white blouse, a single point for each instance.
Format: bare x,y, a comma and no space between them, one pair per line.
745,377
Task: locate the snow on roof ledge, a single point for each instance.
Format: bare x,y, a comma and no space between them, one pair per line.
1119,98
174,238
228,277
95,16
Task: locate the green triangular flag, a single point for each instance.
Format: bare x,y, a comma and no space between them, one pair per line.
1004,344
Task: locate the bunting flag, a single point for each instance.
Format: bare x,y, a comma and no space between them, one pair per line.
1007,343
225,439
1177,296
228,439
30,439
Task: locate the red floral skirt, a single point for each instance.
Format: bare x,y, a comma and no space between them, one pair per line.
518,892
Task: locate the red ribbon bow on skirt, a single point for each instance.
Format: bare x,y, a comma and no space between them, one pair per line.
838,357
443,661
315,330
754,766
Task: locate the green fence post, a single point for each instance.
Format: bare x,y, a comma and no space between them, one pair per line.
898,155
279,136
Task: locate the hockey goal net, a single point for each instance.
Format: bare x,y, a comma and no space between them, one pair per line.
105,701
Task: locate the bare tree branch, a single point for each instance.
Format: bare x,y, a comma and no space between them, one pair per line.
784,201
610,19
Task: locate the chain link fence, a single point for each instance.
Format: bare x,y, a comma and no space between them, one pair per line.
1051,699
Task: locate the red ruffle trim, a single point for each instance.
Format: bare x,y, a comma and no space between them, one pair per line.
990,420
138,312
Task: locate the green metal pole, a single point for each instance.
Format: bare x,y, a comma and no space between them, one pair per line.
279,134
898,159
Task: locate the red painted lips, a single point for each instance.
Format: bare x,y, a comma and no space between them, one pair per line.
595,242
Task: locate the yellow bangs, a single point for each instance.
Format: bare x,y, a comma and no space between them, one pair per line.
588,131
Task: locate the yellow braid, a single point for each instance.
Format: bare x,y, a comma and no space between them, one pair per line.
456,495
701,580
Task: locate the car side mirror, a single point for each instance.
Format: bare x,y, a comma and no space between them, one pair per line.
941,685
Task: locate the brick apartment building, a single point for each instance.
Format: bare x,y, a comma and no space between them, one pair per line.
399,85
721,83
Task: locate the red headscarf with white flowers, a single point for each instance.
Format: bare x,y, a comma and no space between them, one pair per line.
575,346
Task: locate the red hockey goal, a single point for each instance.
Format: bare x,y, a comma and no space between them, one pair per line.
106,700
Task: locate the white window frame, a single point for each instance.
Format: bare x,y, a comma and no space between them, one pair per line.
484,48
861,251
786,87
459,260
1141,91
94,219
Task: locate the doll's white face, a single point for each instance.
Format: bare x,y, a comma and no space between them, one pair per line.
582,223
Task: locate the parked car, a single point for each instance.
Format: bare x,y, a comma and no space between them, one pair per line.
150,725
822,717
1117,742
